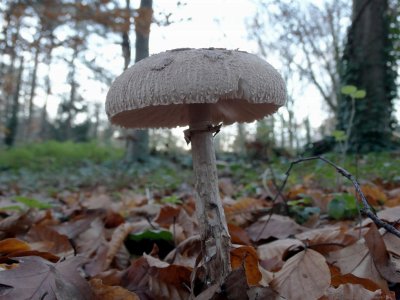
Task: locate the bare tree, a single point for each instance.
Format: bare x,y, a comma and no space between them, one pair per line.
308,37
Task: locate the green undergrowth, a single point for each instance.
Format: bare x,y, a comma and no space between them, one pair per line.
383,166
55,155
53,166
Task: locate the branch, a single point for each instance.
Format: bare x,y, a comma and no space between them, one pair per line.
366,209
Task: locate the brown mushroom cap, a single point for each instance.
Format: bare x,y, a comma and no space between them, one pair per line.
157,91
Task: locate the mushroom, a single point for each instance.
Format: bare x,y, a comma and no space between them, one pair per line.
201,88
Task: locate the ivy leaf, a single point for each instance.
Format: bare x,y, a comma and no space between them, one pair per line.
348,90
359,94
152,235
339,135
342,206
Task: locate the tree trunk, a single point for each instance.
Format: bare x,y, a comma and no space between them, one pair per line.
28,128
137,143
366,66
12,122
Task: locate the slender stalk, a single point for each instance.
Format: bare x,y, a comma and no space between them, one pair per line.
215,239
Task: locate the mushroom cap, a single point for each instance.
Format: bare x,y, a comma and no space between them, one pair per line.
158,90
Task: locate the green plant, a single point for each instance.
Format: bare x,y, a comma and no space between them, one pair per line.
339,135
343,206
301,210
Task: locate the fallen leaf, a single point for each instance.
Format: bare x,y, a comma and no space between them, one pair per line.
295,191
113,219
186,252
354,292
11,245
89,240
271,254
390,215
50,240
17,223
36,278
375,196
242,210
356,260
152,278
106,292
117,240
277,226
238,235
327,239
338,279
258,293
304,276
167,215
79,224
380,256
234,288
246,256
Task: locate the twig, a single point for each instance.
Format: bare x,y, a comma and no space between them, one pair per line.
366,209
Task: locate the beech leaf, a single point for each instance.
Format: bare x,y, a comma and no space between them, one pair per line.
380,255
36,278
304,276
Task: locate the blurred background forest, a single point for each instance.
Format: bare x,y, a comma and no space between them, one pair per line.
340,60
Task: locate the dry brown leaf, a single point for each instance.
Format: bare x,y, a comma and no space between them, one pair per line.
117,240
50,241
277,248
304,276
113,219
46,255
11,245
17,223
90,239
295,191
238,235
327,239
356,260
258,293
380,256
390,215
167,215
271,254
374,194
184,227
106,292
241,212
186,252
338,279
392,243
354,292
152,278
36,278
78,224
247,256
277,226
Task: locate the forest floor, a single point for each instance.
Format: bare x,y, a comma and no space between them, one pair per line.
78,223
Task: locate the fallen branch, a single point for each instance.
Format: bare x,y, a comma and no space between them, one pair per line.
366,209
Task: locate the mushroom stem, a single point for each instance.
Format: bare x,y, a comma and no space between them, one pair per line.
215,238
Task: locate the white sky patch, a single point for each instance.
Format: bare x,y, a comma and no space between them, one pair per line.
213,23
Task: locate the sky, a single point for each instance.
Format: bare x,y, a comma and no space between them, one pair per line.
213,23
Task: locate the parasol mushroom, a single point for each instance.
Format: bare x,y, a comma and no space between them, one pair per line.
201,88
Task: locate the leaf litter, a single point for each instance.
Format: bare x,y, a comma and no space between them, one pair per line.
94,245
